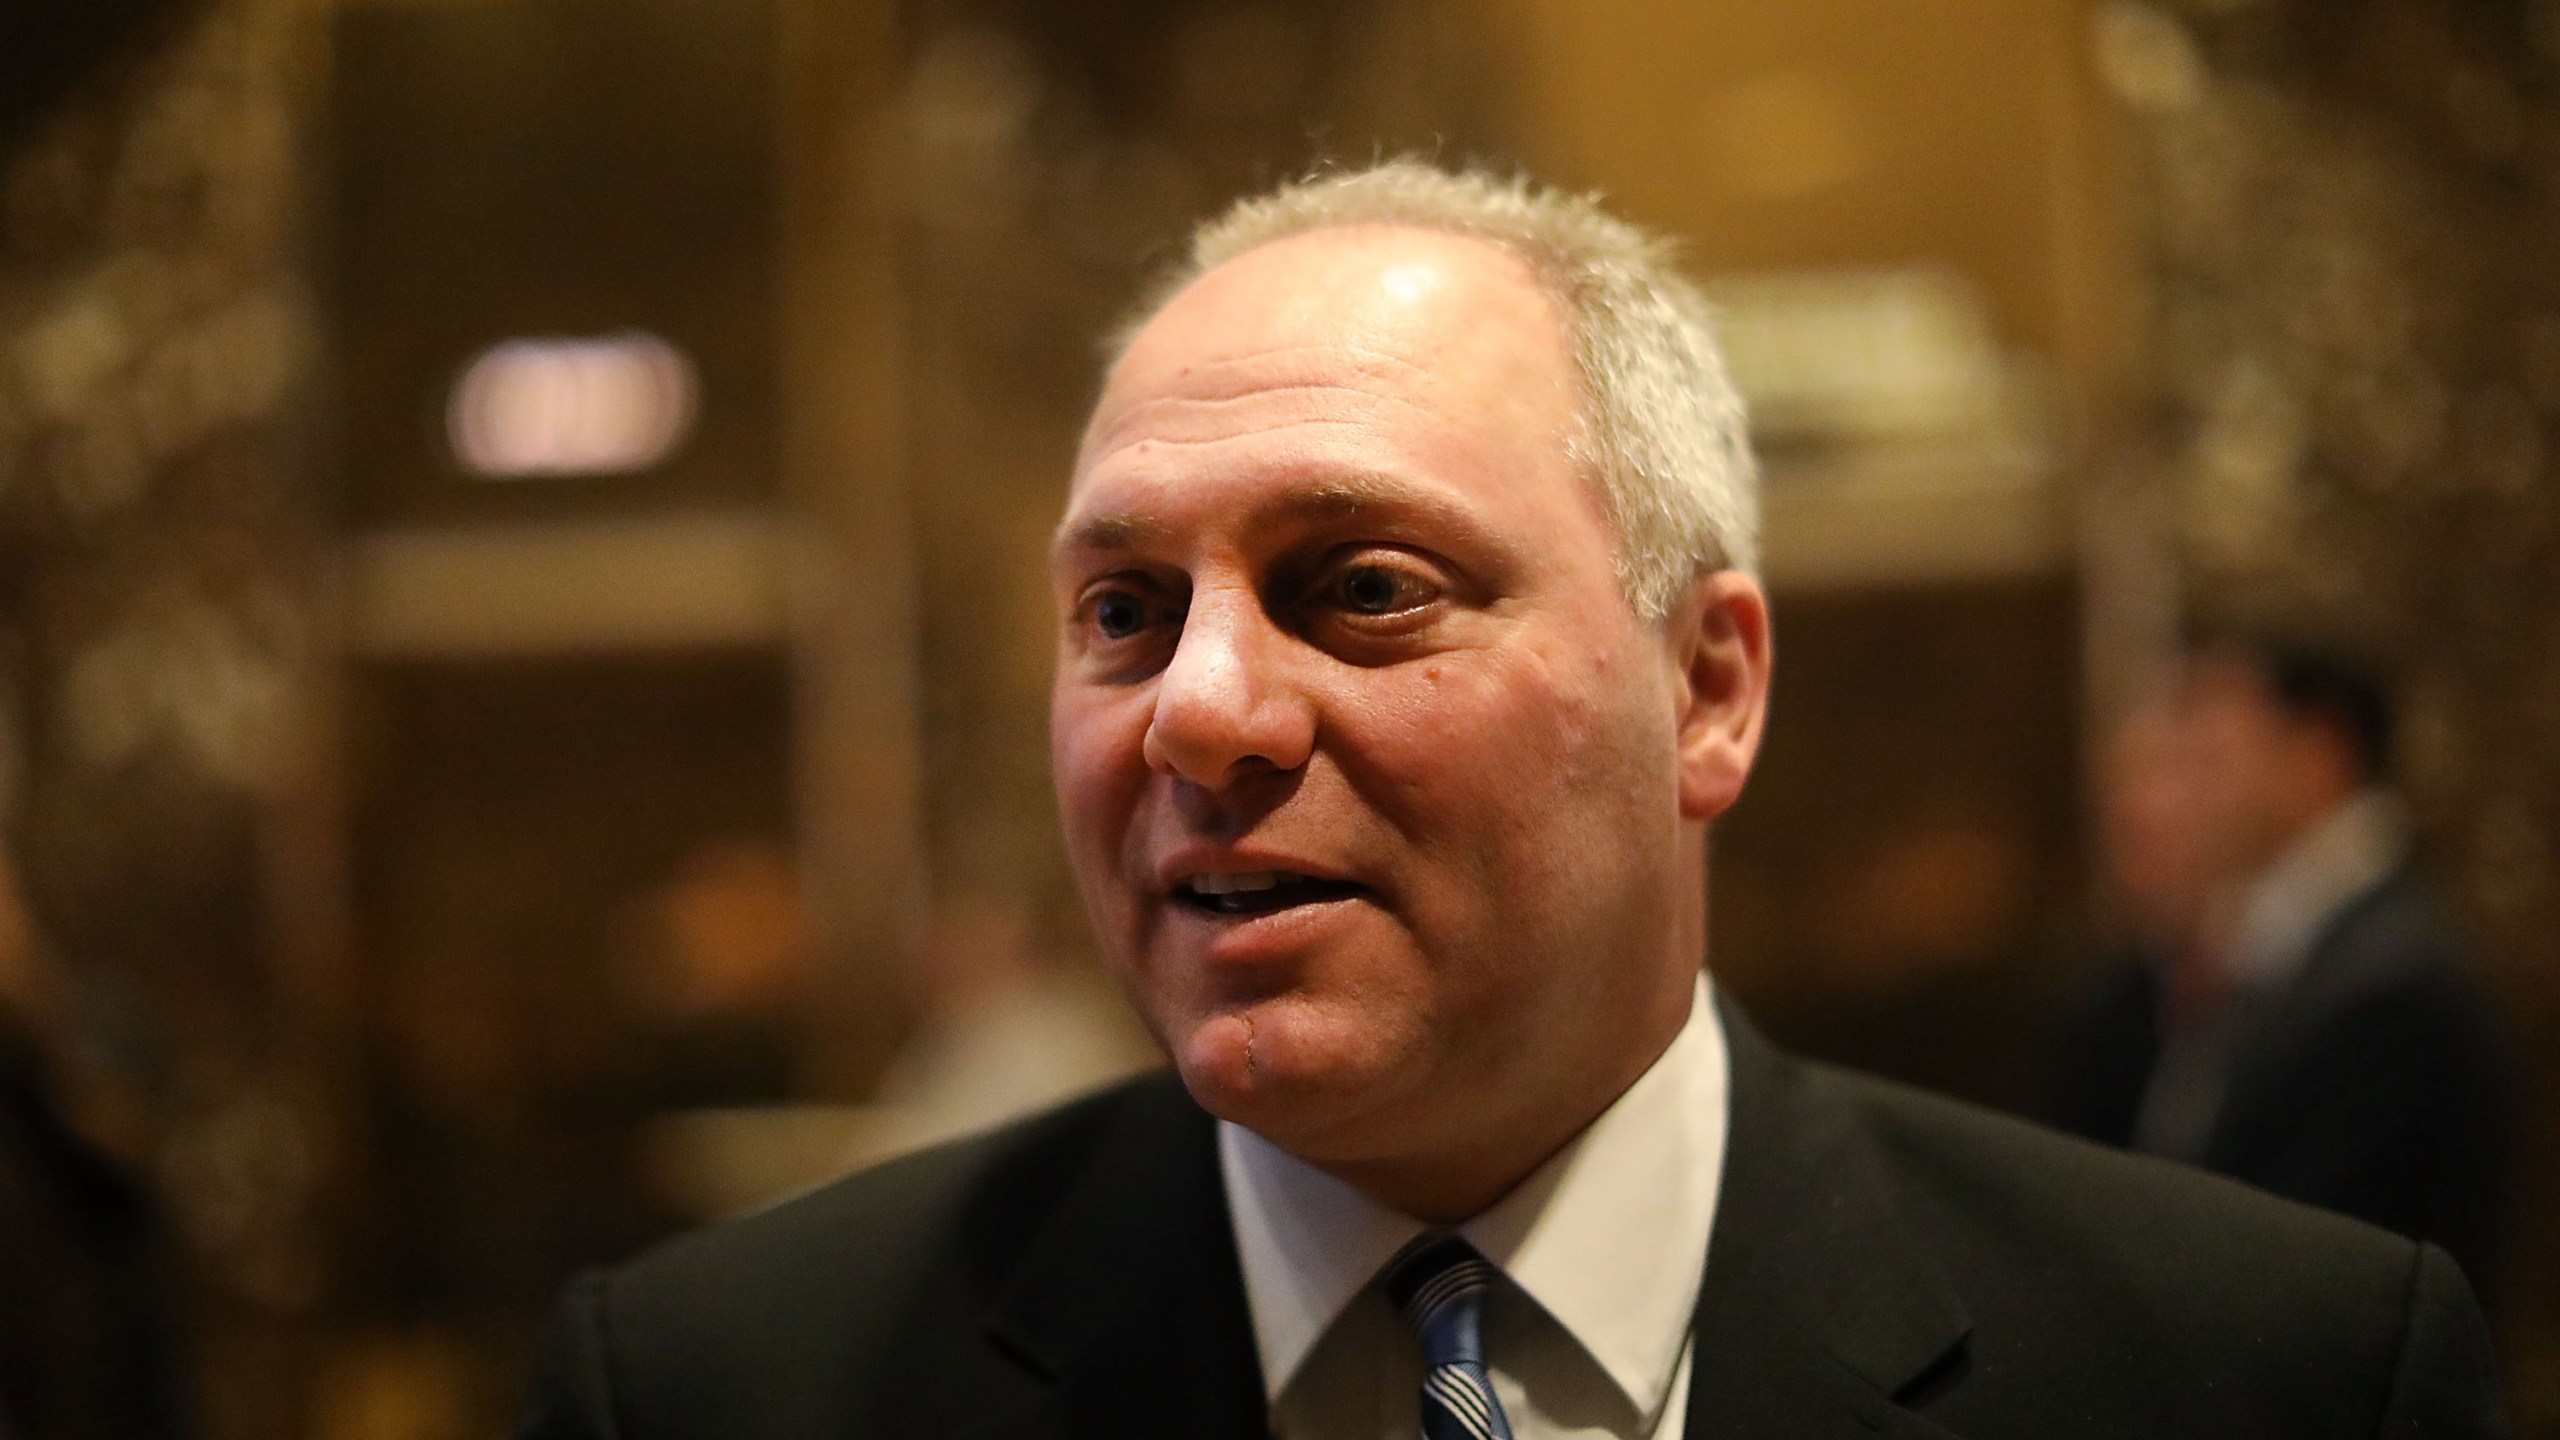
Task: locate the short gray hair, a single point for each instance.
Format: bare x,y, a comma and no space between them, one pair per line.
1662,435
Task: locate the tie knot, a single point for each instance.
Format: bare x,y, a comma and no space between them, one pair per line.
1438,1282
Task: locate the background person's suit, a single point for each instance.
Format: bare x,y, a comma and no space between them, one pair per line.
2375,1081
1884,1264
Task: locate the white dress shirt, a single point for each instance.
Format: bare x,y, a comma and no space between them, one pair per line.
1603,1248
2347,852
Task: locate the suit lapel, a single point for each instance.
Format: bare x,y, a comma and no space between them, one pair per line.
1819,1311
1130,1303
2274,1023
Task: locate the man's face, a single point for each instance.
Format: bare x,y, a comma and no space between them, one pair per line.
2153,804
1369,773
2263,774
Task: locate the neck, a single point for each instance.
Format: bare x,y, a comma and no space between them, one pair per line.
1451,1184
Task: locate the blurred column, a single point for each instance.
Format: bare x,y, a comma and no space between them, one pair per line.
854,574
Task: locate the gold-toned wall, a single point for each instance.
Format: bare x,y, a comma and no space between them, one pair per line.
1837,133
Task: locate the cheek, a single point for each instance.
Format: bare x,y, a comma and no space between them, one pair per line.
1525,765
1585,716
1097,761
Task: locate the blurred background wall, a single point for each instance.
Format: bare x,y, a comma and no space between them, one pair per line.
522,612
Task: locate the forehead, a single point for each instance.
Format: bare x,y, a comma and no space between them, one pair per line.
1347,360
1385,290
2221,678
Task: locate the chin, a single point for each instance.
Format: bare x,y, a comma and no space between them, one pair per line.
1297,1079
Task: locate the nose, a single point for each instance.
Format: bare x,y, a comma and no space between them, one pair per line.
1228,704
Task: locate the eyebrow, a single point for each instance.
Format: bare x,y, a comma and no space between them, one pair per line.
1349,497
1107,532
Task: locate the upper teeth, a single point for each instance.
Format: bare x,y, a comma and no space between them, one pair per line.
1230,884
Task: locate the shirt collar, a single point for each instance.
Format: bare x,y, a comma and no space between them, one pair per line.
1609,1236
2346,853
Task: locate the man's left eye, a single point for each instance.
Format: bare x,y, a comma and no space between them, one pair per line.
1380,589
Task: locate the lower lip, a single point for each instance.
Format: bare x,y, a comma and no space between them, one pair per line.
1270,935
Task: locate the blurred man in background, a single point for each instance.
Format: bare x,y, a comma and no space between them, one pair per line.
2297,1012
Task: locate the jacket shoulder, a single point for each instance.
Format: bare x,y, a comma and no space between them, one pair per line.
832,1303
1961,1168
996,1181
2133,1287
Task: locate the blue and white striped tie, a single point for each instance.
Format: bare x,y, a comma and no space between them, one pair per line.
1439,1281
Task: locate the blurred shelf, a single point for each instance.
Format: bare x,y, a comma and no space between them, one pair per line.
1900,442
558,589
1915,515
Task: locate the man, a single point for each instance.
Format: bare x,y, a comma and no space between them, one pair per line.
1408,648
2300,1016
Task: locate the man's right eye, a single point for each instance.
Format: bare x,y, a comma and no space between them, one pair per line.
1119,615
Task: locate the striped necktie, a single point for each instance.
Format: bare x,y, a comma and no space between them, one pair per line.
1439,1282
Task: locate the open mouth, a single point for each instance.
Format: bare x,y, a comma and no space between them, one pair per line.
1258,892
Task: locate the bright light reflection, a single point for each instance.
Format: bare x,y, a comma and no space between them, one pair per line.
609,405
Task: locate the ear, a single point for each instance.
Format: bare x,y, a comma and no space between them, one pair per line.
1720,637
2322,768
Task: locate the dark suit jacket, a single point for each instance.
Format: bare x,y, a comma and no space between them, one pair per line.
1883,1264
2377,1083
